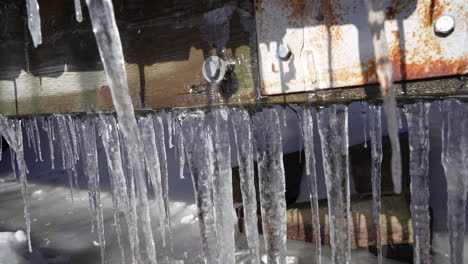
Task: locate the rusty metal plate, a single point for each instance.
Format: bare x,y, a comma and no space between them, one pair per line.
331,46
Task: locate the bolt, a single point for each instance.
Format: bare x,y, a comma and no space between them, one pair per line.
213,70
283,52
444,25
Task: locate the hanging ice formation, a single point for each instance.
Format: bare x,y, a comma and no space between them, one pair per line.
418,126
364,121
11,130
179,150
161,145
308,138
243,136
197,140
333,130
455,163
78,13
376,21
271,183
110,48
217,120
151,155
376,164
110,138
34,21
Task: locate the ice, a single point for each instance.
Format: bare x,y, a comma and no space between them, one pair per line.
68,155
376,21
199,149
376,163
1,147
38,137
110,138
417,115
333,130
13,134
364,121
243,136
90,163
161,145
179,150
110,49
308,138
78,13
169,128
271,183
148,140
222,184
49,125
72,127
34,21
454,161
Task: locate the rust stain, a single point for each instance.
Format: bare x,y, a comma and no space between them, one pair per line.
297,9
273,68
438,8
257,5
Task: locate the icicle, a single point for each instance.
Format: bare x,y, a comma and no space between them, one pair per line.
78,13
308,137
38,138
333,130
1,147
161,146
243,137
34,21
454,158
68,157
50,133
110,140
13,163
222,184
179,150
72,128
110,48
148,140
199,149
92,173
11,130
30,135
418,127
376,163
376,21
169,127
364,121
271,183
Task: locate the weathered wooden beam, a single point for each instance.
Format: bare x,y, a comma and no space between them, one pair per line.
395,222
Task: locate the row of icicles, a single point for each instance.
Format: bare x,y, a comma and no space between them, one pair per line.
202,138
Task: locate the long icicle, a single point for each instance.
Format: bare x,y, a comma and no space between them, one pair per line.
376,21
376,164
308,139
202,168
454,157
110,140
271,183
222,184
243,136
161,146
34,21
153,168
92,173
110,48
333,130
418,128
11,130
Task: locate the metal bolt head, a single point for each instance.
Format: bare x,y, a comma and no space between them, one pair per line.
214,69
444,25
283,52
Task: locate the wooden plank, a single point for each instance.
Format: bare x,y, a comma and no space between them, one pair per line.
395,222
